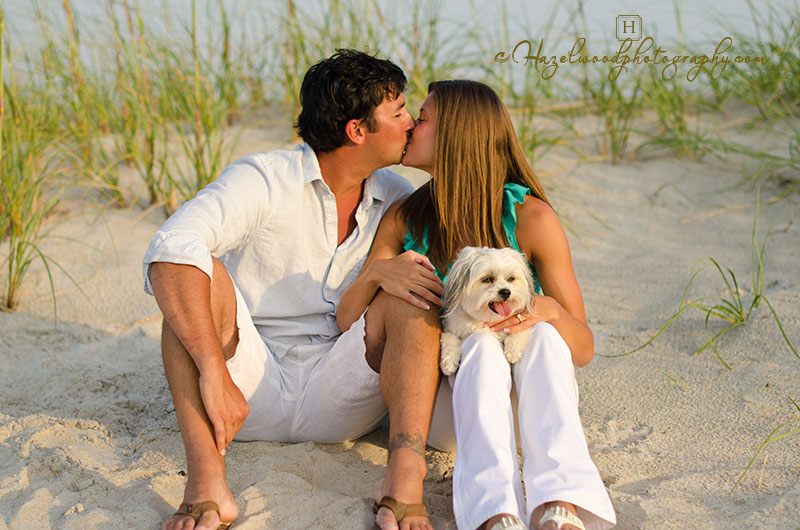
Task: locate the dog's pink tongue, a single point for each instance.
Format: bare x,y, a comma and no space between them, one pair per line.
502,309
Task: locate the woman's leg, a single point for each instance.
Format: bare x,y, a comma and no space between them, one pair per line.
556,461
486,477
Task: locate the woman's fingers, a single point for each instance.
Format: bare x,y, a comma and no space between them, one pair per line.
416,302
427,296
435,291
514,323
431,276
425,262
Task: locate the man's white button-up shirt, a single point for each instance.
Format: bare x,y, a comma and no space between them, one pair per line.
271,219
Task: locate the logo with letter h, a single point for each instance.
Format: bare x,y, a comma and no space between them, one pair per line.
629,27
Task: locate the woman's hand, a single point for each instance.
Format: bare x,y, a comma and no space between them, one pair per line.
411,277
543,309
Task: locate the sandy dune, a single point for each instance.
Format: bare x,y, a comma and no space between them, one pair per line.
88,437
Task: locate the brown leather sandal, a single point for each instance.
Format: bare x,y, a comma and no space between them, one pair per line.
400,509
197,509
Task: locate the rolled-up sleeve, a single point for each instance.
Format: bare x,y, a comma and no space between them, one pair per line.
222,216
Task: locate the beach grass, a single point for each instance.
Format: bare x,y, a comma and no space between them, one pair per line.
786,428
200,112
615,101
774,86
544,120
87,106
154,95
782,166
27,173
672,104
413,36
729,308
141,131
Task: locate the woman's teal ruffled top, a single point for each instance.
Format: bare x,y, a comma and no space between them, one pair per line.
512,195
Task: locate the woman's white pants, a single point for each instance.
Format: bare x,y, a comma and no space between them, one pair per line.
556,462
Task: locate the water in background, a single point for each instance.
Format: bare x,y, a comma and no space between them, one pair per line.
472,32
701,21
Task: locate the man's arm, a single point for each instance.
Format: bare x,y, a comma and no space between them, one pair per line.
409,275
183,293
179,267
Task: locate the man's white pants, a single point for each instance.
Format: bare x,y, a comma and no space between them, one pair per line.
556,461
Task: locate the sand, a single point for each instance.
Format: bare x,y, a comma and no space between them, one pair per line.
88,437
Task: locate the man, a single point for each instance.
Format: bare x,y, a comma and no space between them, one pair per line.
248,275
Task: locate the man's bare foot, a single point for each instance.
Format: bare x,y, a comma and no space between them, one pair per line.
551,525
403,482
215,489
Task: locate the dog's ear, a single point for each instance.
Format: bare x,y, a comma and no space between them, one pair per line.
458,280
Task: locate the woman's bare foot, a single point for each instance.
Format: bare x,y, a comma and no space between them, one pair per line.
551,525
494,520
211,489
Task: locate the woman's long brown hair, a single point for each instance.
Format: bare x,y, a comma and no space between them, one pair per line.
476,153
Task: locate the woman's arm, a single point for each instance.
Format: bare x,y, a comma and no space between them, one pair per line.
542,239
408,275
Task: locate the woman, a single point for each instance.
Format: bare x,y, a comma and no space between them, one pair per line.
484,193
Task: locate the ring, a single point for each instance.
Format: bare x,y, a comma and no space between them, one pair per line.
519,317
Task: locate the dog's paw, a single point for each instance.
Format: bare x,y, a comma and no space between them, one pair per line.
450,366
515,344
451,354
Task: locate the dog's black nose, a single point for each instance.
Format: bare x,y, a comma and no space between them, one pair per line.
505,293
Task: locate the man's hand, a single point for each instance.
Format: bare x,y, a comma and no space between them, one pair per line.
410,276
225,405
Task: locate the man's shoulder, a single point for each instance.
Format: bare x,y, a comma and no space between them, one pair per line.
274,160
282,170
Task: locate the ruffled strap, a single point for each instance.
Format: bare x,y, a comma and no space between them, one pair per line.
514,194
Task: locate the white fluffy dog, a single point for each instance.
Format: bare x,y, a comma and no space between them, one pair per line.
485,285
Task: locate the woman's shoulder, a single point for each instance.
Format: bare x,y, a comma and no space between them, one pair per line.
534,210
395,219
537,224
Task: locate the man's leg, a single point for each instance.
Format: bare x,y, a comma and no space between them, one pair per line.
205,473
402,344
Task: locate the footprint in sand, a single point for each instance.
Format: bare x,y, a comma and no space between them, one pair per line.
615,435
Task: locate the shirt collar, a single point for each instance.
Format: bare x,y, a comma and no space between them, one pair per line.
373,188
311,171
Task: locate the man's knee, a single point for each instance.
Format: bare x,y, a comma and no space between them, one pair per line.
396,311
391,318
388,315
222,301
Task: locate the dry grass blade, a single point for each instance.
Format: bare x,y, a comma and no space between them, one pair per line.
774,435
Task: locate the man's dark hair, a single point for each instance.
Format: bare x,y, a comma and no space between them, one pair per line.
348,85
